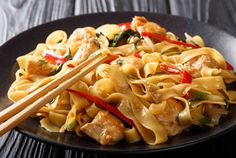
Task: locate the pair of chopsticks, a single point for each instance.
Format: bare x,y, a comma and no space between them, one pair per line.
30,104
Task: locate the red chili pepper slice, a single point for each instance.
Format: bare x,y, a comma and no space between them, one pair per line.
53,58
229,66
163,38
103,104
125,25
187,78
137,55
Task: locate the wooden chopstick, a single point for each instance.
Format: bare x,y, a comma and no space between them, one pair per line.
18,106
26,106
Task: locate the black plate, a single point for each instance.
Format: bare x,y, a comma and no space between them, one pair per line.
26,41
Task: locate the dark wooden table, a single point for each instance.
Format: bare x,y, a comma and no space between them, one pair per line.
19,15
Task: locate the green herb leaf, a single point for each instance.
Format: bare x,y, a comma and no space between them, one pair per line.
123,35
59,41
136,43
198,95
137,35
42,62
57,70
98,34
204,121
119,61
68,55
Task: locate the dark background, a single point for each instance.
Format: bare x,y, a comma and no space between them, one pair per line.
19,15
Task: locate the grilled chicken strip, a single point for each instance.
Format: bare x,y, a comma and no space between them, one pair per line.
105,128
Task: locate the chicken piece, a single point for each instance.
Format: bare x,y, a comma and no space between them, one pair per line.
39,67
105,128
138,21
197,63
141,24
170,111
168,116
85,50
174,128
202,61
82,34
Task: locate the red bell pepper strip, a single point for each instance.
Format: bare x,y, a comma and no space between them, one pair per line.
121,42
187,78
229,66
188,94
137,55
163,38
170,68
70,66
125,25
54,58
103,104
111,58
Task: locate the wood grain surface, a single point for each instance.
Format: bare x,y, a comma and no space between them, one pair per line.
19,15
